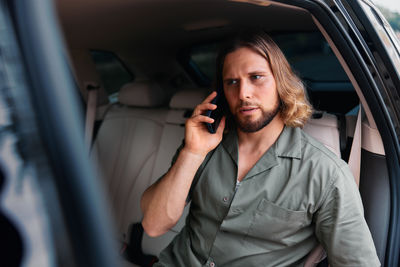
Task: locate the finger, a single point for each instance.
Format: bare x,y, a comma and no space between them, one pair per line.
210,97
221,126
203,107
202,118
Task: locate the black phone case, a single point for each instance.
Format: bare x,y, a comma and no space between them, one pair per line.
215,114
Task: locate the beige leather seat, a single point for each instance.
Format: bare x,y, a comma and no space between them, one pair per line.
134,147
325,128
126,147
181,107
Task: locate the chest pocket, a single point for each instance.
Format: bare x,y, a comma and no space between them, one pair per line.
271,222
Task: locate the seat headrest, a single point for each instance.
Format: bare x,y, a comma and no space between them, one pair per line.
142,94
188,98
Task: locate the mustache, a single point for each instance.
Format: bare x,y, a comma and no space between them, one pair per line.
248,103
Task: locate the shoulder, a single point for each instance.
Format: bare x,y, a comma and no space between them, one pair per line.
312,148
329,175
324,161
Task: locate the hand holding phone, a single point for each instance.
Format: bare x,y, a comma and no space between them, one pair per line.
198,139
215,114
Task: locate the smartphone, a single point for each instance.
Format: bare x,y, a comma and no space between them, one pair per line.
216,114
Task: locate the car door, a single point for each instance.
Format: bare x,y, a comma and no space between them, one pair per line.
363,43
51,207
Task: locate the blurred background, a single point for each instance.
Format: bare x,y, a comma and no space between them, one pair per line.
391,10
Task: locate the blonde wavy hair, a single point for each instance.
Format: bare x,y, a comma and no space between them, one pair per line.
295,107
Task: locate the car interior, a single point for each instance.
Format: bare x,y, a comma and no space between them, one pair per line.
154,61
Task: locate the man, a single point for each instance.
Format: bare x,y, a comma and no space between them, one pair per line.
265,193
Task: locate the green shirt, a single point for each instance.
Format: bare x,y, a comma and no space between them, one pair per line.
297,194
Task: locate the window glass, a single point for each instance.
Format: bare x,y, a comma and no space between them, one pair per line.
113,73
311,57
391,11
308,53
203,57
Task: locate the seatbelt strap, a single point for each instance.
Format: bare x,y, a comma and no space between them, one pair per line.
355,152
90,112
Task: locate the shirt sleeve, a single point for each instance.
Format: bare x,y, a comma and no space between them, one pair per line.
341,227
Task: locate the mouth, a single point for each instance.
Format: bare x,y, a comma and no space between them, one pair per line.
247,110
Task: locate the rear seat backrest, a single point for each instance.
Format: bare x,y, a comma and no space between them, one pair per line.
325,128
142,94
126,147
181,108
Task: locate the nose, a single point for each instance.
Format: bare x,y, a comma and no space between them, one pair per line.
244,90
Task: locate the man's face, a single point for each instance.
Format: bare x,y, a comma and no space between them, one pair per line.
250,89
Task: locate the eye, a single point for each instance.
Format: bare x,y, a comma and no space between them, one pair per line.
231,82
255,77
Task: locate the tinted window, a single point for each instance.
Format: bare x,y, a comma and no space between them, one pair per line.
392,15
308,53
112,71
311,57
203,57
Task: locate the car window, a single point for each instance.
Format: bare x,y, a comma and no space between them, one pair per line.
392,16
308,53
113,73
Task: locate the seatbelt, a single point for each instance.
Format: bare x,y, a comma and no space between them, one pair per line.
318,253
355,152
90,112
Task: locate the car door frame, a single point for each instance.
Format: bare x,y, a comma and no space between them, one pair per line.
348,33
46,81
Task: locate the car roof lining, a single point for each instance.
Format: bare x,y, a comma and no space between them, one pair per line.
139,24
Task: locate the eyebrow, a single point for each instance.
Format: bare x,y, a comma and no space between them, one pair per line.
250,73
259,72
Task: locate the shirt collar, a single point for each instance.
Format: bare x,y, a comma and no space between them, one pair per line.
231,145
288,145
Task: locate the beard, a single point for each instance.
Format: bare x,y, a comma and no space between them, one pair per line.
249,126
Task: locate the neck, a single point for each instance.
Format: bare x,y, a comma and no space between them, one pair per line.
263,139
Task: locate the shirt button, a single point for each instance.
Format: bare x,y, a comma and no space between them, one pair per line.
225,199
212,264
